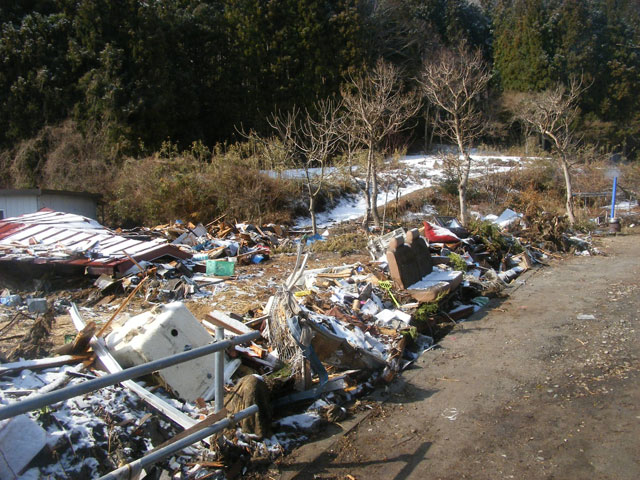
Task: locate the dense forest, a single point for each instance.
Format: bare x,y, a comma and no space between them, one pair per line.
145,73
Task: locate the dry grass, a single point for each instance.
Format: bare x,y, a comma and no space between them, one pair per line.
64,158
198,185
157,190
345,244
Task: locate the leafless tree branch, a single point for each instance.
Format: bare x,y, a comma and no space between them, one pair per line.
454,82
313,138
377,107
552,113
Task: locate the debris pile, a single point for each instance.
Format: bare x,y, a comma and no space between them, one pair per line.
182,260
72,242
246,243
325,337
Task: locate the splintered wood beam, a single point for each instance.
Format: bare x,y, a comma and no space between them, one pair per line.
80,344
335,275
220,319
121,307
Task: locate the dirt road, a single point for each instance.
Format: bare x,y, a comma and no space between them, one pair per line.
546,384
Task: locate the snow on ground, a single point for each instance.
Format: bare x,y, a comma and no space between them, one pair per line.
88,434
626,205
301,421
79,431
415,173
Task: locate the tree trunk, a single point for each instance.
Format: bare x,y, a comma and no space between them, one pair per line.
433,130
462,198
463,179
427,140
567,181
384,208
312,212
367,190
374,193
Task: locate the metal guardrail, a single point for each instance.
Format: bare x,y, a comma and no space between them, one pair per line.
50,398
219,373
133,469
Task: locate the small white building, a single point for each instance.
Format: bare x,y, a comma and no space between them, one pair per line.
19,202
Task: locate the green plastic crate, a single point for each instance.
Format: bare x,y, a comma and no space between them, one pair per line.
220,268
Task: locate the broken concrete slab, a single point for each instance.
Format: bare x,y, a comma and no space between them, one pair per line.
21,439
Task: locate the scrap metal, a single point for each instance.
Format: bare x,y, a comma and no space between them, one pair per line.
50,237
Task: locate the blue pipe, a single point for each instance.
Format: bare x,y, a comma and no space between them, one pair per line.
613,197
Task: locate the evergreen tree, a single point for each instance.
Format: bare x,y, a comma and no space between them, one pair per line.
190,70
289,52
580,48
620,102
406,32
36,79
521,45
155,70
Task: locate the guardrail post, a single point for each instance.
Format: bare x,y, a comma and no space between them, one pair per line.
219,372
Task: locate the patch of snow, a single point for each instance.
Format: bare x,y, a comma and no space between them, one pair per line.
302,421
436,276
85,422
415,173
626,205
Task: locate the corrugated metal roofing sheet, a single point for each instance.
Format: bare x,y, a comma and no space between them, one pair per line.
57,237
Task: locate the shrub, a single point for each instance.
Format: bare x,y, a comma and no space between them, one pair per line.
427,310
343,244
64,158
198,187
490,234
457,262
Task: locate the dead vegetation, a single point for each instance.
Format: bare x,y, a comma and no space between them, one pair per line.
344,244
37,342
197,183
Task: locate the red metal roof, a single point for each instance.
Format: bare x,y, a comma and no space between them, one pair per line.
57,237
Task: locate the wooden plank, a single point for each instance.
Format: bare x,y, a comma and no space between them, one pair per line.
80,344
256,322
133,260
220,319
121,307
112,366
41,363
335,275
163,407
212,329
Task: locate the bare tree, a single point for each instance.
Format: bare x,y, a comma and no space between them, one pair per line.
377,107
271,151
313,138
454,81
552,114
352,154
